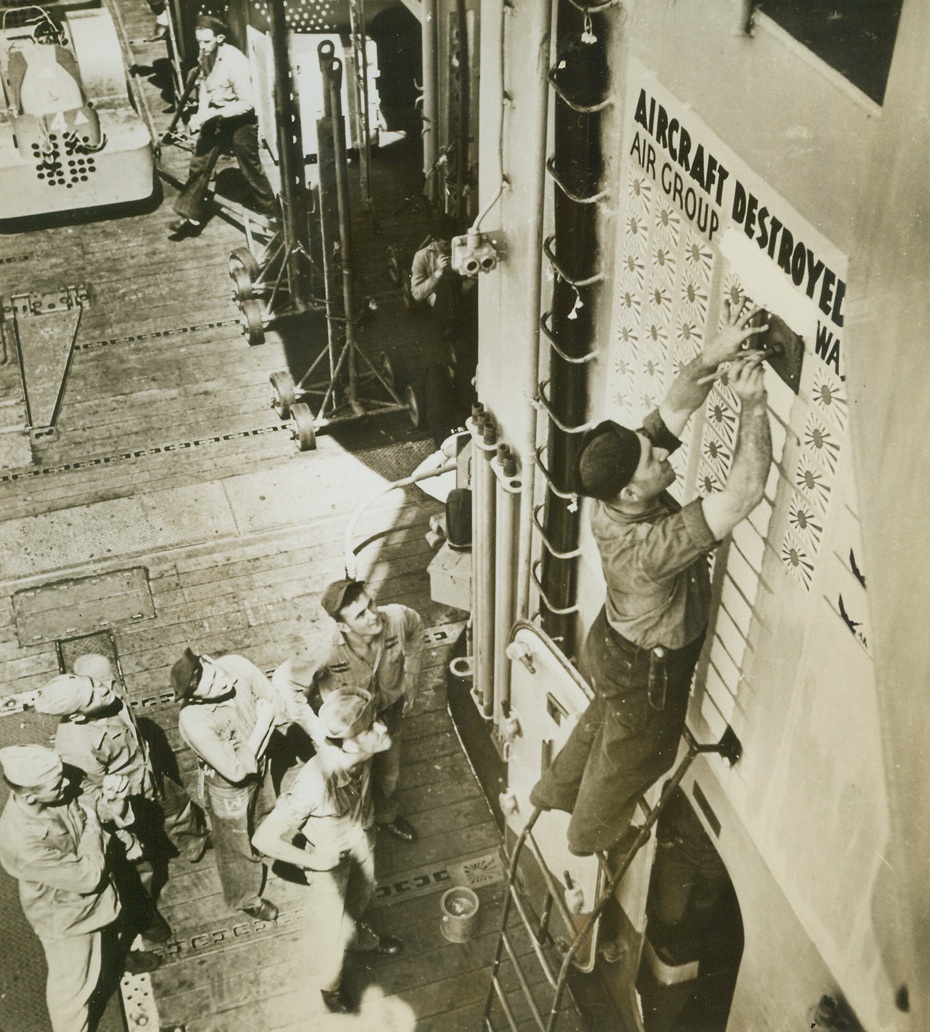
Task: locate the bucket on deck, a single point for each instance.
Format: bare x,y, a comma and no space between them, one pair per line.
459,908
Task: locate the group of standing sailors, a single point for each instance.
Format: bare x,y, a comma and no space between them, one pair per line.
89,825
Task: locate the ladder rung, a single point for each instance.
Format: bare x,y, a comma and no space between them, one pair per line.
724,747
524,985
537,945
505,1005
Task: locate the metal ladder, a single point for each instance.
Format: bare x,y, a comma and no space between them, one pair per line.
546,1015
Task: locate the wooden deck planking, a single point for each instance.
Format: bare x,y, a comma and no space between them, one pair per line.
137,382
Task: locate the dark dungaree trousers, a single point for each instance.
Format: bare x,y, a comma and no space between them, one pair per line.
621,745
241,134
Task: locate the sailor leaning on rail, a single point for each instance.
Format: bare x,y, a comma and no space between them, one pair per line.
643,646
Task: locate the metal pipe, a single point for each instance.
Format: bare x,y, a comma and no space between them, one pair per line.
345,228
535,203
429,38
464,110
328,211
295,223
484,438
508,487
359,28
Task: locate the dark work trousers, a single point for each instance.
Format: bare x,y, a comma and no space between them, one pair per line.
446,300
236,811
183,819
241,134
621,745
385,767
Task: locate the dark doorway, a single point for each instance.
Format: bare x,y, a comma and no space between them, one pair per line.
694,938
396,33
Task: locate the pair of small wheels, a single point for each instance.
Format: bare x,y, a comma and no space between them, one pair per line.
284,402
244,271
399,274
284,399
394,370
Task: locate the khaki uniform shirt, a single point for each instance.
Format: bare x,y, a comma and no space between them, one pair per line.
107,745
423,278
64,887
331,809
305,681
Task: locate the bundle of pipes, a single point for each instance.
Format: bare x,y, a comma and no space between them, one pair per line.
484,440
507,491
496,493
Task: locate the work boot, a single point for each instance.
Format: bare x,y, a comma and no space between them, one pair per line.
369,941
400,828
181,229
335,1001
158,931
138,963
263,910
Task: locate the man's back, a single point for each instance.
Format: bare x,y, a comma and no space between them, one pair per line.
64,890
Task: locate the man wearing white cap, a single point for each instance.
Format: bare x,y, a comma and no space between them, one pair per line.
329,804
229,712
98,735
55,848
374,648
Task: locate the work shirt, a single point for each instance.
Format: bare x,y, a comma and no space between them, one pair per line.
331,809
227,87
107,745
423,277
304,681
655,563
58,860
218,731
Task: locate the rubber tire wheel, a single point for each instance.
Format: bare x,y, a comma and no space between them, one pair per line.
242,284
283,393
242,258
251,316
415,399
393,367
304,428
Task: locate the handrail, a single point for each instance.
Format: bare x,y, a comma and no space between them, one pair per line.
542,594
582,109
566,496
544,402
590,356
554,552
577,198
561,273
727,747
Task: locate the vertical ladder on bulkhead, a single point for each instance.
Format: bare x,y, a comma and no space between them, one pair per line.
556,965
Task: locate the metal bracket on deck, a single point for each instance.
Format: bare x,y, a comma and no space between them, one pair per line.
43,326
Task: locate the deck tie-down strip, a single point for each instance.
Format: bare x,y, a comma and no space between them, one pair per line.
138,453
175,331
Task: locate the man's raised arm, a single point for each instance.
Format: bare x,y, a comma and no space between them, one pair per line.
686,395
752,456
